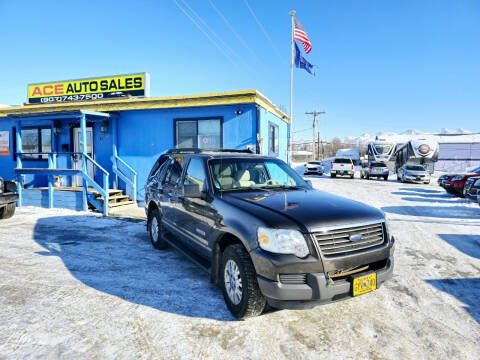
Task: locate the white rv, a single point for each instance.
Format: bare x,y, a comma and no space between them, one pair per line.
418,151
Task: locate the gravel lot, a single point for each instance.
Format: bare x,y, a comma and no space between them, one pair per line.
76,285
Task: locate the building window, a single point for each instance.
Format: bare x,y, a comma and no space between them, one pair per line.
272,139
35,140
201,133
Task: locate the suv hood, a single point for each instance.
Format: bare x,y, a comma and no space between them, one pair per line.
308,209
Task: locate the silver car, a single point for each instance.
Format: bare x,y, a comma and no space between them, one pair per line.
413,173
313,167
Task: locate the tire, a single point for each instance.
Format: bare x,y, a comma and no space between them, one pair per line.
156,230
385,178
351,176
250,302
7,211
333,175
367,177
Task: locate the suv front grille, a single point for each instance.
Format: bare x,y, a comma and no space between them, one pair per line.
337,241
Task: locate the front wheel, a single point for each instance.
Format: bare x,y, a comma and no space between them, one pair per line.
7,211
156,230
239,283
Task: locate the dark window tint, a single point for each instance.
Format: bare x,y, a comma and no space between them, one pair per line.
173,173
195,173
342,161
161,160
272,139
415,168
378,164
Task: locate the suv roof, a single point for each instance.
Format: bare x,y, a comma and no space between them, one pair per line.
217,153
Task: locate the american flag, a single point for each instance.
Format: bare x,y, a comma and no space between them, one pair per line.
300,34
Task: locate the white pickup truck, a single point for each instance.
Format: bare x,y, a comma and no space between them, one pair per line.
342,166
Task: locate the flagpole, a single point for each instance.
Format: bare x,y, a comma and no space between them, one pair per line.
289,152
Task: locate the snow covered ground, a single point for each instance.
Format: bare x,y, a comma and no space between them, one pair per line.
76,285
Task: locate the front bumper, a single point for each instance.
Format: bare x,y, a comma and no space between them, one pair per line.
415,180
8,198
342,172
316,291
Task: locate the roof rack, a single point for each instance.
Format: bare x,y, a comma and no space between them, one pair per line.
200,151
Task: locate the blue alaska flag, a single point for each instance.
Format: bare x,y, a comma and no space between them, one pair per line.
301,62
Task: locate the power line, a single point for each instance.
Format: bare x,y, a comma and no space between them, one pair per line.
207,35
219,38
263,30
232,29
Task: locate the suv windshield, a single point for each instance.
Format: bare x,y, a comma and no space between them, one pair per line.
415,167
342,161
233,174
314,163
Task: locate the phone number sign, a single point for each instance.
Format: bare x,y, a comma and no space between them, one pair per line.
136,85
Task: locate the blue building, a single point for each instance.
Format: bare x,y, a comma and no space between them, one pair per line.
94,152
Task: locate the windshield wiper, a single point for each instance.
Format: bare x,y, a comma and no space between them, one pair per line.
282,187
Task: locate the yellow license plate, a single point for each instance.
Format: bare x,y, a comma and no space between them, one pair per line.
364,284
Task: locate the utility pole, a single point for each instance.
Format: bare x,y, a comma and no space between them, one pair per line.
314,113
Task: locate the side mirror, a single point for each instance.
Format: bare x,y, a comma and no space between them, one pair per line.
193,191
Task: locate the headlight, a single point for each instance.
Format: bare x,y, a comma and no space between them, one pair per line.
457,178
281,241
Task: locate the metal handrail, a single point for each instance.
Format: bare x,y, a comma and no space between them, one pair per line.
119,173
96,164
126,165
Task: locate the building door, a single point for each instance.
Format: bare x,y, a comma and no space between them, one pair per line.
77,147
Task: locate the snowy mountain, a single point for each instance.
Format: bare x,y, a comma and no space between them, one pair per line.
444,135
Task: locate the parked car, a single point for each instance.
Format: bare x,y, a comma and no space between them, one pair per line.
441,179
313,167
342,166
374,169
413,173
471,188
258,229
8,198
456,183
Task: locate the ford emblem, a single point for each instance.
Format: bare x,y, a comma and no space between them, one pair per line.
356,237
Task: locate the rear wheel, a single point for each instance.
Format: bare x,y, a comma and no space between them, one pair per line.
351,176
385,178
333,175
7,211
157,230
367,177
239,283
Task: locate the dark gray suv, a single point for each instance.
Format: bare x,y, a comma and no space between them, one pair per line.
263,233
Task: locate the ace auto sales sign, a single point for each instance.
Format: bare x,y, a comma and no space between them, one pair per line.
136,85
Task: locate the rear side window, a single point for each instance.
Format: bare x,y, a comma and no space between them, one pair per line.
195,173
161,160
174,173
342,161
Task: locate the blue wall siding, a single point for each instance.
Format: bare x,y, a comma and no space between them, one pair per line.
145,134
61,199
283,129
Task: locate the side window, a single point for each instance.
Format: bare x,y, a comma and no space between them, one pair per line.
173,174
195,173
272,139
